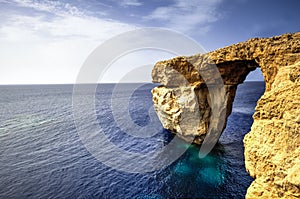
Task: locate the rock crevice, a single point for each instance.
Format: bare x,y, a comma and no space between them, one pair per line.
185,105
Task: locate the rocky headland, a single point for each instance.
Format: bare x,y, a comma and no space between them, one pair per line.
196,95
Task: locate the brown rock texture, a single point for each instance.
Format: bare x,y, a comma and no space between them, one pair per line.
191,88
272,148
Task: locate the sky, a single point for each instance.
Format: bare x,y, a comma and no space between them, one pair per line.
47,42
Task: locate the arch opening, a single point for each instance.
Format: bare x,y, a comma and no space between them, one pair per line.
255,76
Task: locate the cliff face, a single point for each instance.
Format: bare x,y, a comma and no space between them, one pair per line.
193,86
272,148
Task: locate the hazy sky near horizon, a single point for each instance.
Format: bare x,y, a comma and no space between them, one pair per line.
43,41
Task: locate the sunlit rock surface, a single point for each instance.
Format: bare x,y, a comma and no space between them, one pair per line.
272,148
191,88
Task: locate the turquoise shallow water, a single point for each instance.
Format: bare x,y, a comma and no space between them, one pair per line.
42,156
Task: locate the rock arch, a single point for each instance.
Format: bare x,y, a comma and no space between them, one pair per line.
272,147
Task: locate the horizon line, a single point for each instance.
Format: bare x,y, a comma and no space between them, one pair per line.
37,84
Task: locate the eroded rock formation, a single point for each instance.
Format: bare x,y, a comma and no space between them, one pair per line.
185,105
272,148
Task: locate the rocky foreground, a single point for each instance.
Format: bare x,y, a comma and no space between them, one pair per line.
196,96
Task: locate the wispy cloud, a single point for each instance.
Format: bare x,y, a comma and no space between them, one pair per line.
49,40
56,7
60,20
186,16
126,3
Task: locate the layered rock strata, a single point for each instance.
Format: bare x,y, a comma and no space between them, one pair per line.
191,88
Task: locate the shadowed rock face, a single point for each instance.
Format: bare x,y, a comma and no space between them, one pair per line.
191,88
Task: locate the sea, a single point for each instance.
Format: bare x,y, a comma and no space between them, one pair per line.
42,155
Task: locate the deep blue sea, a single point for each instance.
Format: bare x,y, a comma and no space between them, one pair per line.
42,155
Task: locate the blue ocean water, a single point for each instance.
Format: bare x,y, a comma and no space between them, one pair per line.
42,156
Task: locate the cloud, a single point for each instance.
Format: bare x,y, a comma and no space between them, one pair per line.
126,3
47,41
56,7
187,16
50,44
59,21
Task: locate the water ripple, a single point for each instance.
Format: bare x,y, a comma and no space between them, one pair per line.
41,155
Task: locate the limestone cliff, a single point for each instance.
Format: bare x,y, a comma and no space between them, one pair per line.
193,86
272,148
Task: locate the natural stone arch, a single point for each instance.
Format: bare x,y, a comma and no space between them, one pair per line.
272,147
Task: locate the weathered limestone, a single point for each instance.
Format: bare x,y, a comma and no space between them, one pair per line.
185,106
272,148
